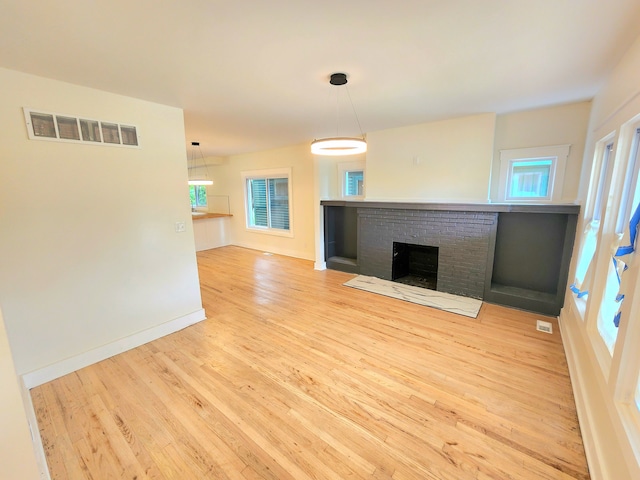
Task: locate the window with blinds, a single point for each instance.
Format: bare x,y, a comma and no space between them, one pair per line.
69,128
268,201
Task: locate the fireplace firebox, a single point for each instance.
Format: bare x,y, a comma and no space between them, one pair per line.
415,265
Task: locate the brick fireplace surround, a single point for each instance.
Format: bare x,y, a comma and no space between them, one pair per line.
516,255
462,237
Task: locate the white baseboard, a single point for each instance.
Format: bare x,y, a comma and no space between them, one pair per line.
320,266
68,365
273,249
36,439
589,439
607,448
56,370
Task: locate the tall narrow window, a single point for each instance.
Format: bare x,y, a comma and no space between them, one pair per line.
257,202
278,203
268,201
609,316
602,179
637,395
598,184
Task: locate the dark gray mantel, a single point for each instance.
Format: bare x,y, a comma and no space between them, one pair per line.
567,208
510,254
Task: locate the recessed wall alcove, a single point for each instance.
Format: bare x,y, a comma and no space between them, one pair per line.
515,255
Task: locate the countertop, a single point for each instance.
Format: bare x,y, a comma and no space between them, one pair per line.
202,216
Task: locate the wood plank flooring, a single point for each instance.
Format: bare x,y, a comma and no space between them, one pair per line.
294,376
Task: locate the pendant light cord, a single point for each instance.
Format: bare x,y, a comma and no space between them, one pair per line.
355,114
354,111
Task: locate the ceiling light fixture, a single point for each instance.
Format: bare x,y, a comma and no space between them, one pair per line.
336,146
194,168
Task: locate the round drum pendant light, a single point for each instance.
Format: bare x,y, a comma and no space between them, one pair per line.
337,146
195,169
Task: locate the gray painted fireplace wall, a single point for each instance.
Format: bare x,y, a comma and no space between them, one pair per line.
463,239
515,255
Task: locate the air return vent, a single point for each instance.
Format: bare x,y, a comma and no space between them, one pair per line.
69,128
545,327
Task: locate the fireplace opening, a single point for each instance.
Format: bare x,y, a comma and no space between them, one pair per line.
415,265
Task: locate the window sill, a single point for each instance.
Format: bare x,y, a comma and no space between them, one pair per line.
271,231
579,305
532,200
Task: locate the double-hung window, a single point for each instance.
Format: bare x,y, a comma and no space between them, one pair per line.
268,201
608,317
594,211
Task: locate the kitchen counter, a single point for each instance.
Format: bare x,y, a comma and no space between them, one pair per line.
200,216
211,230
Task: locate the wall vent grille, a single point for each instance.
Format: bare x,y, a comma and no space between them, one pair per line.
545,327
79,129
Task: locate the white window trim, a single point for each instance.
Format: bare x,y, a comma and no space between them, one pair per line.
269,173
345,167
557,153
621,201
632,170
629,373
626,362
600,349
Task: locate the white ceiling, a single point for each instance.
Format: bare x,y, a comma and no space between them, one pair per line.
253,75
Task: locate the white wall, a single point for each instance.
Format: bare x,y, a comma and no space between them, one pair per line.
448,160
326,187
89,250
558,125
227,179
601,388
17,458
620,90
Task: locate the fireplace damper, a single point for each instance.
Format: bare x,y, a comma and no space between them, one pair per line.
415,265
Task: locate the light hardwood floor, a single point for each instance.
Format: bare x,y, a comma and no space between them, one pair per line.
294,376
